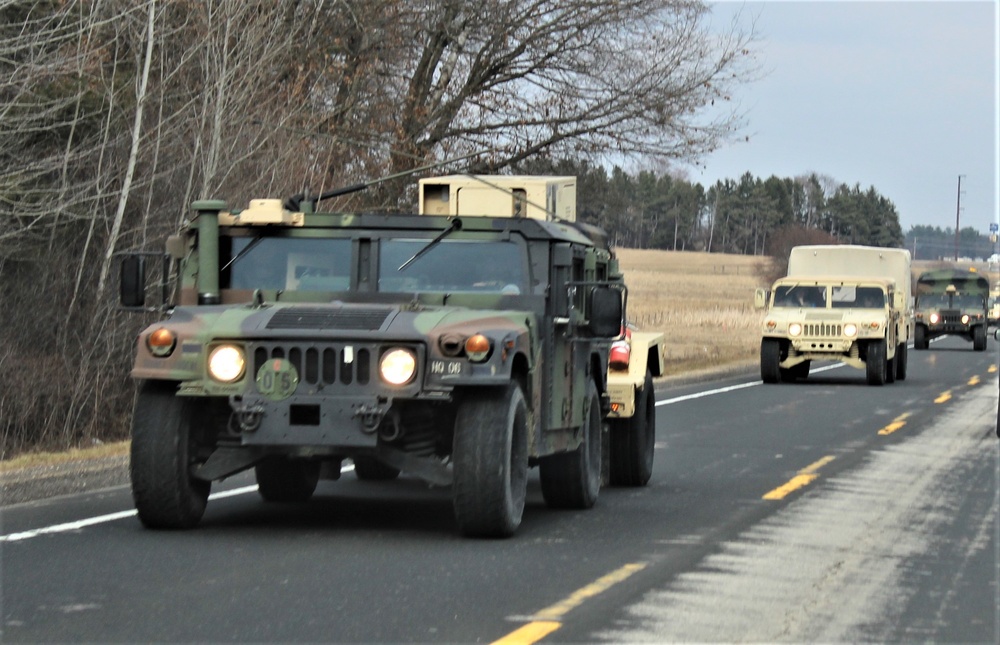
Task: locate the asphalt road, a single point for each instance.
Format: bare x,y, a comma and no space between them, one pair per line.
821,511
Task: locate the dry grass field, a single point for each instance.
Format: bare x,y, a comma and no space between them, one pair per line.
702,302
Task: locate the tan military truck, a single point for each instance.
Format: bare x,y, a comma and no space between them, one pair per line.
844,303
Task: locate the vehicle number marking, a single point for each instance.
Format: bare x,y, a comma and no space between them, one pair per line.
446,368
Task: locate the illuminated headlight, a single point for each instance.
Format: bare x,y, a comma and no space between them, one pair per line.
226,363
795,329
965,319
850,330
935,318
398,366
161,342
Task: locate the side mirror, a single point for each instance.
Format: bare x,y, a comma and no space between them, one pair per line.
132,288
760,298
606,312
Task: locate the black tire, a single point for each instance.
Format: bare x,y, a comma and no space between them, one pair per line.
633,441
919,337
979,338
371,469
165,494
573,479
282,480
901,360
890,370
875,363
770,357
490,457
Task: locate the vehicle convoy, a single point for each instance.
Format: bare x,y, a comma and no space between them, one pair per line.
951,302
844,303
461,345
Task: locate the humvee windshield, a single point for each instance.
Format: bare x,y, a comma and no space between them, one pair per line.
285,263
857,297
452,265
944,301
315,264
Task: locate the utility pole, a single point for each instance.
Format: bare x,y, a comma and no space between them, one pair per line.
958,211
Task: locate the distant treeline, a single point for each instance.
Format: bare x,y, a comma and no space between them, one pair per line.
749,215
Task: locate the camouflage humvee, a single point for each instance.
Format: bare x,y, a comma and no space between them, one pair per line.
458,348
951,302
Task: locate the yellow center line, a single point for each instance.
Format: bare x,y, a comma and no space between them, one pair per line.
974,380
896,424
530,633
992,369
943,397
549,619
801,480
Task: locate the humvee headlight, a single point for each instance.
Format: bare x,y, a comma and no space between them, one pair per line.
398,366
477,348
935,317
850,330
795,329
965,319
161,342
226,363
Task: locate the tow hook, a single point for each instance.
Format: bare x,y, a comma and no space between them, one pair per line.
247,416
370,415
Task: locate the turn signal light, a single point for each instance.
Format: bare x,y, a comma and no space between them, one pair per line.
477,348
161,342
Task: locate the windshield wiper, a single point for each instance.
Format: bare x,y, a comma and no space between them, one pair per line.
246,249
456,225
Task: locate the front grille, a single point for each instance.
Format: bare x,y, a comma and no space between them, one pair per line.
951,318
327,363
822,330
366,319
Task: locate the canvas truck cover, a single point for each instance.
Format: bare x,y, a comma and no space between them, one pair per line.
852,260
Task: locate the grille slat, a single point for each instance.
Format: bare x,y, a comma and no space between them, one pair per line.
822,330
327,363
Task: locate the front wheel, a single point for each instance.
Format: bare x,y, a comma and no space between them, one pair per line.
979,338
490,457
166,496
875,363
573,479
633,440
770,358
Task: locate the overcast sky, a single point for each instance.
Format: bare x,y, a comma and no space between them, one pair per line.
897,95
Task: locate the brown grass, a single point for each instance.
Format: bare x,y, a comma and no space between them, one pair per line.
702,302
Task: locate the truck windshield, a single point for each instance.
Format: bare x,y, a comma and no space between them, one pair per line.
285,263
845,296
487,266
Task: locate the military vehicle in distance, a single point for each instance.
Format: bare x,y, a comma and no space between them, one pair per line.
951,302
462,346
844,303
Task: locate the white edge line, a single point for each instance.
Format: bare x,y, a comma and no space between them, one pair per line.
101,519
723,390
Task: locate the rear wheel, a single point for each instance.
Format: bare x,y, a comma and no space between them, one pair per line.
901,359
979,338
770,357
281,479
166,496
875,363
490,455
573,479
633,440
920,337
